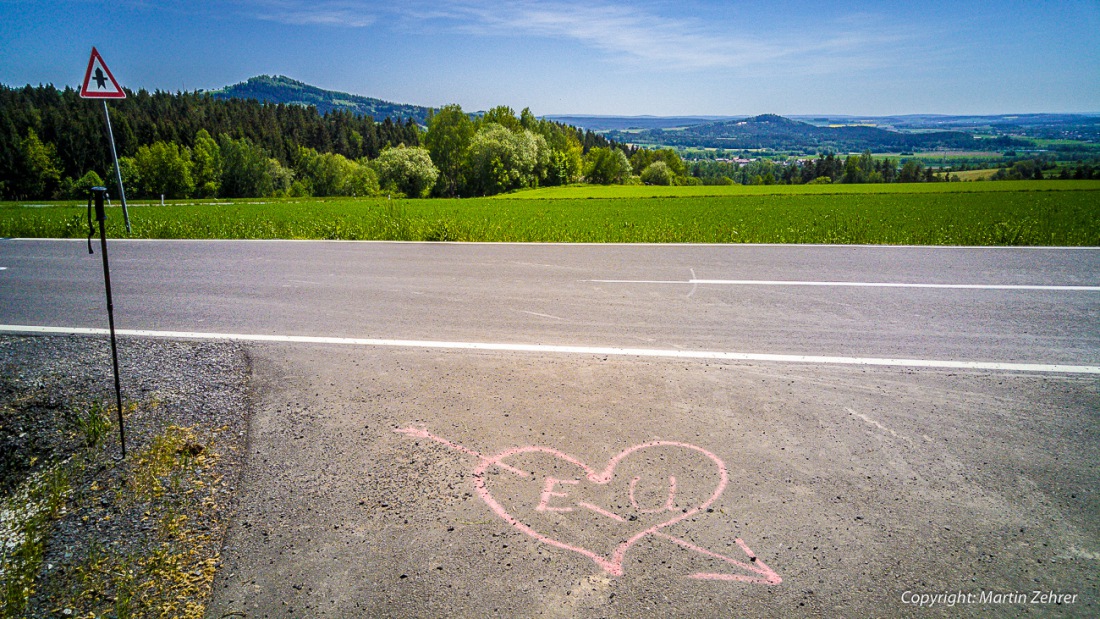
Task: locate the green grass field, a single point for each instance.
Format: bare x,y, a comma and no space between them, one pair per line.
646,191
989,213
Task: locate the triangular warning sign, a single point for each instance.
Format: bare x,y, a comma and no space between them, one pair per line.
98,81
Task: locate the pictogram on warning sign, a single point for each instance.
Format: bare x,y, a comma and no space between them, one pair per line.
98,81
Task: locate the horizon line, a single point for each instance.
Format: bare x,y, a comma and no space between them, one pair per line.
590,115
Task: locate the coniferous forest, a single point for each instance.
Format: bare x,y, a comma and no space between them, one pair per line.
71,132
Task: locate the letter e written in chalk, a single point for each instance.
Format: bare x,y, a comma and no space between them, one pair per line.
548,493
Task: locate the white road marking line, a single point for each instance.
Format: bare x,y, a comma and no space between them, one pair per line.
763,282
573,350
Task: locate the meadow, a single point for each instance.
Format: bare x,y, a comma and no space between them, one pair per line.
1064,213
654,191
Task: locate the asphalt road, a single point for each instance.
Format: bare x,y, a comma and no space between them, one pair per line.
560,295
425,481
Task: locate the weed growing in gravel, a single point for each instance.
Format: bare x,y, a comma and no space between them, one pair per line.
162,497
92,423
25,520
167,565
161,462
83,534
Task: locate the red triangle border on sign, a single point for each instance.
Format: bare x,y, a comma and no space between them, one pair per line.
118,93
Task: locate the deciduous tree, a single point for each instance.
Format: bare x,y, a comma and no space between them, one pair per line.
165,169
657,173
450,132
606,166
408,171
39,169
246,169
207,159
82,187
502,160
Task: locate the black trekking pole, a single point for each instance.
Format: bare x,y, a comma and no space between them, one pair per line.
101,216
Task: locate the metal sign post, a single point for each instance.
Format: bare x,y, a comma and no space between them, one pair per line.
99,83
101,217
118,170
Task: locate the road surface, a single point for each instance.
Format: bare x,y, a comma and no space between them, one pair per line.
1024,305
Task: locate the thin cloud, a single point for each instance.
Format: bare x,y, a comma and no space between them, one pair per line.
624,32
633,34
340,13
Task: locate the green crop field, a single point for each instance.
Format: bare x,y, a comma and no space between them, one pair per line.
989,213
649,191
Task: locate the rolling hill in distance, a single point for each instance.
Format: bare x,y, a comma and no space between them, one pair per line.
282,89
915,132
779,133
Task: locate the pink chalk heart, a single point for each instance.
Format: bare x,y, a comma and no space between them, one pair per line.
561,499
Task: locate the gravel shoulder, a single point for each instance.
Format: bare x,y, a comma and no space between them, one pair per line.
145,533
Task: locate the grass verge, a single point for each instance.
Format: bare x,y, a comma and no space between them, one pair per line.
1064,213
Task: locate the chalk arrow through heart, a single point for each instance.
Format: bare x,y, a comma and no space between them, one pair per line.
650,524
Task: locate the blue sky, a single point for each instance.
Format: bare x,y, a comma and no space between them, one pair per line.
590,56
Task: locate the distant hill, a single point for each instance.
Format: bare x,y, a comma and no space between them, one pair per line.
609,123
281,89
779,133
1082,127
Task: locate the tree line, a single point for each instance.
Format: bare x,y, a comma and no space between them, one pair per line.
864,168
825,168
53,145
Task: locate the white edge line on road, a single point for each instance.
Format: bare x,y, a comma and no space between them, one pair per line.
760,282
574,350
